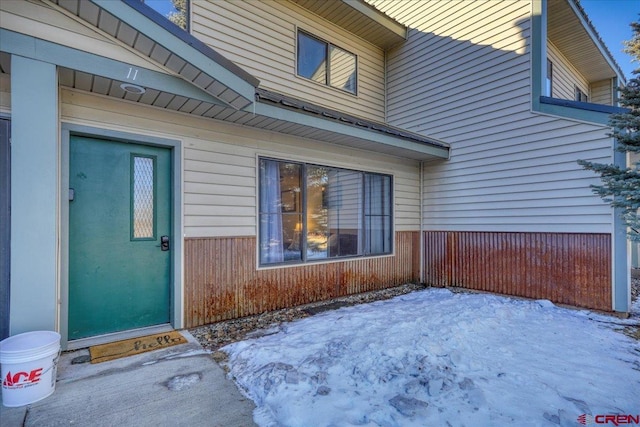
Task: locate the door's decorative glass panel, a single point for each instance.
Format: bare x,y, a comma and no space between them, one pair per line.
143,205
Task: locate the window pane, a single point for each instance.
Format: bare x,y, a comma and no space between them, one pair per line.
549,81
312,58
143,200
377,212
317,227
344,207
342,69
280,211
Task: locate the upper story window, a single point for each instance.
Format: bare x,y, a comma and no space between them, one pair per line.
311,212
176,11
549,82
580,95
326,63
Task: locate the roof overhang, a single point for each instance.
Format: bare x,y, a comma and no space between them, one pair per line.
570,30
359,18
248,106
344,129
144,30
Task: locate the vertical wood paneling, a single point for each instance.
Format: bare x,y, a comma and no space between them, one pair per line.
566,268
221,281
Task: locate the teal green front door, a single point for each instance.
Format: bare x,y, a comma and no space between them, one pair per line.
119,236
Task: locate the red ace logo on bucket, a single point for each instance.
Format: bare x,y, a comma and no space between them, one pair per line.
22,379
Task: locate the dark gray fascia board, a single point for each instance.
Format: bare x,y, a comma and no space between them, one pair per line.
191,59
191,40
64,56
585,111
282,107
379,17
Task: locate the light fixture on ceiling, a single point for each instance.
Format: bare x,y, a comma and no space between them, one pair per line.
131,88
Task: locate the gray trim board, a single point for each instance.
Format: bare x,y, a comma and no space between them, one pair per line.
585,111
190,40
42,50
34,195
582,111
5,226
188,48
379,17
621,269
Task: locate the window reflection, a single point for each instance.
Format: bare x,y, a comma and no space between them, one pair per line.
311,212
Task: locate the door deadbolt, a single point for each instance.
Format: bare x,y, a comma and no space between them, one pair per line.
164,243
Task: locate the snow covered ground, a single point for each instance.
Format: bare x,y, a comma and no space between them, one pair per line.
437,358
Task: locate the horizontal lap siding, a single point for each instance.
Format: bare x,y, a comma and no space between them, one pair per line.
565,268
565,76
222,282
464,77
601,92
260,36
219,166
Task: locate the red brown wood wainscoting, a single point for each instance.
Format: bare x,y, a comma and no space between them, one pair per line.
573,269
222,282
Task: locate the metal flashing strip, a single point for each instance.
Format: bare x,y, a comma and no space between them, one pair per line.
379,132
585,111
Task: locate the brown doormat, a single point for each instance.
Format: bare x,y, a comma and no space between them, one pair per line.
118,349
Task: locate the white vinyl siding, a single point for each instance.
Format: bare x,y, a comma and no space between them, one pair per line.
601,92
220,161
464,77
260,36
565,77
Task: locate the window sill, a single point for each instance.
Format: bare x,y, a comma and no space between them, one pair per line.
310,263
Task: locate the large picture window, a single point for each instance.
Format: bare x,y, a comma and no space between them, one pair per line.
325,63
311,212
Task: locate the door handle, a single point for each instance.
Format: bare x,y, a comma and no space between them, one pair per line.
164,243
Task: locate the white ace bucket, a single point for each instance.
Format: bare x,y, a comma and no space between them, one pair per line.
29,365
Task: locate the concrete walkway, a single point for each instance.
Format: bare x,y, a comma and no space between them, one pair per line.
175,386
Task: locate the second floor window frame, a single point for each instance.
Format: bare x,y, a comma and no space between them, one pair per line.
326,78
580,95
549,79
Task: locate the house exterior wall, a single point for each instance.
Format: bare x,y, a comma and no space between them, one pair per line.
601,92
221,278
510,169
565,76
220,163
464,76
260,36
